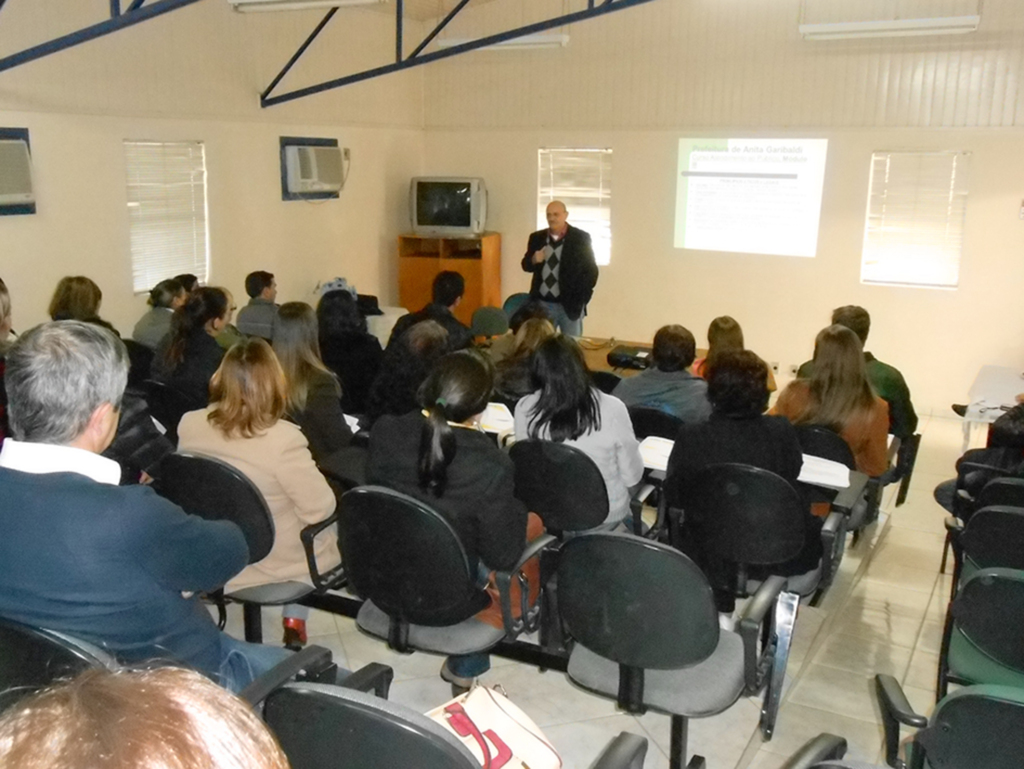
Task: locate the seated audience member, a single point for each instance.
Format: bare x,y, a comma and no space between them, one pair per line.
258,317
667,385
5,343
188,281
165,297
513,377
187,357
502,346
314,395
839,396
724,333
348,350
243,426
440,456
163,718
447,291
119,567
403,368
568,408
738,431
78,298
887,381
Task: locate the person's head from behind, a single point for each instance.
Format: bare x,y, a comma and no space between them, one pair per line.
448,288
456,390
5,315
839,384
674,348
298,350
426,341
404,366
248,392
738,385
529,309
166,718
167,293
724,333
206,310
567,401
75,298
531,335
261,285
65,380
338,314
854,318
188,281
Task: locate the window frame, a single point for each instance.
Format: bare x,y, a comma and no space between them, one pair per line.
576,197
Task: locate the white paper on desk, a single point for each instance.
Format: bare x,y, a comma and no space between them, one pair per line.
497,419
655,452
352,422
824,472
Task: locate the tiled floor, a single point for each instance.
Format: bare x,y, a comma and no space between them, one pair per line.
883,614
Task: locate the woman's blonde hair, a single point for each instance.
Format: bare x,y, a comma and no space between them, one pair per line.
248,392
75,298
297,345
839,384
165,718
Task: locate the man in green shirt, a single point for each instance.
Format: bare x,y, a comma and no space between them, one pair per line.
887,381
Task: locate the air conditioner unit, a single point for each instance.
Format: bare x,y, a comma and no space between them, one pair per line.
15,173
295,5
313,168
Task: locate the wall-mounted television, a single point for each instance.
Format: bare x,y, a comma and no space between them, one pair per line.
448,206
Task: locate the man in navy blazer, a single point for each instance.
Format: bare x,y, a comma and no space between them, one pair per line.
561,259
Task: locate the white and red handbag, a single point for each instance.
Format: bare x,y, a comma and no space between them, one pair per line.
496,732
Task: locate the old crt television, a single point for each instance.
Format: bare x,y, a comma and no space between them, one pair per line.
448,206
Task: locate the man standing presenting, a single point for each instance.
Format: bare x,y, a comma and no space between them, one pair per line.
561,259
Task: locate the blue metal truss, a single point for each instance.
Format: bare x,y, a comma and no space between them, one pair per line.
135,12
417,57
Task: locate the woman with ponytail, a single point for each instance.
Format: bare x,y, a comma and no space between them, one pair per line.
441,456
189,355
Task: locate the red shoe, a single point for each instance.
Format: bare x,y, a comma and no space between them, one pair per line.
294,633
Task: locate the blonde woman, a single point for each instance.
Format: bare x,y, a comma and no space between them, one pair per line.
512,375
243,426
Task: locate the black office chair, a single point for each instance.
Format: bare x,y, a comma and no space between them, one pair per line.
647,633
514,302
140,360
980,485
418,588
650,421
216,491
992,538
321,727
605,381
905,461
974,727
31,658
167,405
982,641
823,752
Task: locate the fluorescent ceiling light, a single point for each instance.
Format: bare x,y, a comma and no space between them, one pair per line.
526,41
295,5
850,30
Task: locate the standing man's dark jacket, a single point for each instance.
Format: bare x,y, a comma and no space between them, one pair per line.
577,269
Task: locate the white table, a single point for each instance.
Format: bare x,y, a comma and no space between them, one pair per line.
994,388
380,325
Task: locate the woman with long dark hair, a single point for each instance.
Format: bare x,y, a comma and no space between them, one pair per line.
441,456
838,395
567,408
347,348
187,358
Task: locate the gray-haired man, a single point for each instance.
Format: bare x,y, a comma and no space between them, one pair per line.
116,566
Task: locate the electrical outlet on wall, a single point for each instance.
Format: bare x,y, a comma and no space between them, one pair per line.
793,369
345,154
775,367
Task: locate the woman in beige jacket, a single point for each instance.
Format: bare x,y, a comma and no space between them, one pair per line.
243,426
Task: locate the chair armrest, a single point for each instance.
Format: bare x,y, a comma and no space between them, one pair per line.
896,710
757,611
833,528
980,467
372,678
528,617
312,658
824,747
953,525
847,498
627,751
333,579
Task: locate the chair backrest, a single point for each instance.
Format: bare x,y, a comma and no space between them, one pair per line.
1001,491
216,491
744,515
167,405
140,359
559,483
514,302
974,727
31,658
636,602
905,461
649,421
488,321
406,558
994,537
988,611
330,727
820,441
605,381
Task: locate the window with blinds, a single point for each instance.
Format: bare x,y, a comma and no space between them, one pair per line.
913,235
166,211
580,178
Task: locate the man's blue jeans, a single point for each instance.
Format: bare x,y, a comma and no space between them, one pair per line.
562,321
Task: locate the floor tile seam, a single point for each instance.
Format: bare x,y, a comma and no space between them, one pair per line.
870,674
650,738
